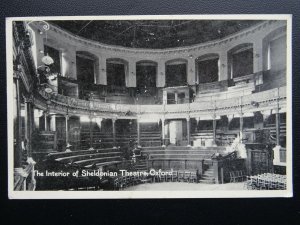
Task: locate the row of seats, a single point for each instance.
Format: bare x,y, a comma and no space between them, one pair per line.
88,158
123,182
266,181
237,176
179,176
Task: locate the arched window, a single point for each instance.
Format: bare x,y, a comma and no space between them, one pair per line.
240,60
207,68
55,55
274,48
176,72
86,65
146,74
116,70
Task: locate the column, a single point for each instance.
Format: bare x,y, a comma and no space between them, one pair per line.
46,120
28,125
131,77
257,56
176,97
114,131
67,129
214,129
223,66
163,131
161,76
53,123
138,132
17,122
277,128
165,97
68,63
188,131
101,75
191,74
241,127
91,132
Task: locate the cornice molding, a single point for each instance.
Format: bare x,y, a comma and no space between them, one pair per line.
120,49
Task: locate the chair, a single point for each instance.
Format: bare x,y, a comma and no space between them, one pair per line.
180,176
193,177
116,184
163,177
174,176
232,177
187,175
248,184
169,176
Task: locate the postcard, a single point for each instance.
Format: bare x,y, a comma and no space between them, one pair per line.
170,106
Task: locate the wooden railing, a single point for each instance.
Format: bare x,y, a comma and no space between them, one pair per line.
261,97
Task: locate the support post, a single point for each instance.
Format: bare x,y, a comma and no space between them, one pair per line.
214,129
163,132
28,124
67,129
241,127
91,132
176,98
188,131
46,120
114,131
138,132
17,123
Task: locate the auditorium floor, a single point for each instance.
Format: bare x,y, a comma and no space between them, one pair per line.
178,186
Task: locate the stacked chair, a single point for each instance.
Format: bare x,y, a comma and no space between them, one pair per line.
266,181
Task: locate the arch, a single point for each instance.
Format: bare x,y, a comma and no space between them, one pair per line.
273,44
207,68
146,72
51,49
176,61
176,72
240,60
116,71
87,67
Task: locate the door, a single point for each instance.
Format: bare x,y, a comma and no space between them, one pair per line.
175,128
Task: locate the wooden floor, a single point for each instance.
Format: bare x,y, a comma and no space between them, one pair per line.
178,186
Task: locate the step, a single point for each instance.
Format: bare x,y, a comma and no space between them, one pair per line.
207,181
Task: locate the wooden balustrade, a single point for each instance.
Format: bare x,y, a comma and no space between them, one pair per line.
264,96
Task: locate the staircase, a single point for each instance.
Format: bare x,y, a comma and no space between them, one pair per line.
208,176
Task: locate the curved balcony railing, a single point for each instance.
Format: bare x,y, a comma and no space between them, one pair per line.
209,106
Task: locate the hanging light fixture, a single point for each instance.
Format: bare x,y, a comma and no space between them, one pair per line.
47,60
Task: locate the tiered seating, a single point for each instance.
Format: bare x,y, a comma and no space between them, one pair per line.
150,138
88,158
202,138
100,140
225,138
243,86
146,138
124,139
272,128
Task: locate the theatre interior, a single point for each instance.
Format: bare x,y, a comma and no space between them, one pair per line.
182,104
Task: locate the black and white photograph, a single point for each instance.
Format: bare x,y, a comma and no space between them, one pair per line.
183,106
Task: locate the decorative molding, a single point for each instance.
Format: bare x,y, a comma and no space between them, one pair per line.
62,105
182,50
